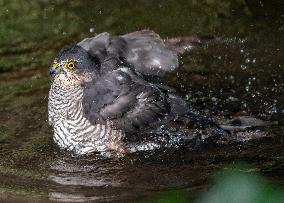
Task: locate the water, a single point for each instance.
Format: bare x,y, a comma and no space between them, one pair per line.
239,74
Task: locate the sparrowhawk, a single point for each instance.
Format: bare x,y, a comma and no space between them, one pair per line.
106,86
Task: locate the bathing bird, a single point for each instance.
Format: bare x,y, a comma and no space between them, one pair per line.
106,87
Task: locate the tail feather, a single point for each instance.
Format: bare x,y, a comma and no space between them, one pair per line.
205,122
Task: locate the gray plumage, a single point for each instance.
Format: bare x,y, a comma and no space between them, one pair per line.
111,90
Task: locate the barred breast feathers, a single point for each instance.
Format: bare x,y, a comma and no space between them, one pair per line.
72,130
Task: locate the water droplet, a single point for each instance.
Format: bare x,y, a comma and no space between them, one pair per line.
243,67
230,98
273,109
247,88
214,99
92,29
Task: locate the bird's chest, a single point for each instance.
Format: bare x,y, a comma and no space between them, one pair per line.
79,135
75,132
72,130
62,102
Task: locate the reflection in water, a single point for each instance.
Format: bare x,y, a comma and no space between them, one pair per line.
83,179
99,178
65,197
96,177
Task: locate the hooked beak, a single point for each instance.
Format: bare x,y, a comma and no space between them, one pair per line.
53,71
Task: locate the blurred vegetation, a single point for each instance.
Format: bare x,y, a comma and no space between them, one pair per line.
241,185
35,20
235,184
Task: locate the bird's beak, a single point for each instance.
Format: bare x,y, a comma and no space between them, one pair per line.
53,71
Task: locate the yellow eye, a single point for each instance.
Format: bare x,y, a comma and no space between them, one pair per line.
72,65
55,65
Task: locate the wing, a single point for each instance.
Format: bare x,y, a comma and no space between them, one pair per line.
124,98
144,50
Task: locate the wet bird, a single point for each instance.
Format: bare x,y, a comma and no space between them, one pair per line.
106,86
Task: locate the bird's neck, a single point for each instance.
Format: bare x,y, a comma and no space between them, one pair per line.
62,99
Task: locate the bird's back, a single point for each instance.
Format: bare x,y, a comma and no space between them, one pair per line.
126,94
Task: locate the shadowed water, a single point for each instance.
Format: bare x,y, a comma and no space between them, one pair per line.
237,80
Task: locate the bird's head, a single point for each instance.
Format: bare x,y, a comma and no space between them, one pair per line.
73,65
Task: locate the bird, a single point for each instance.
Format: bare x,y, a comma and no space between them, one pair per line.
108,86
